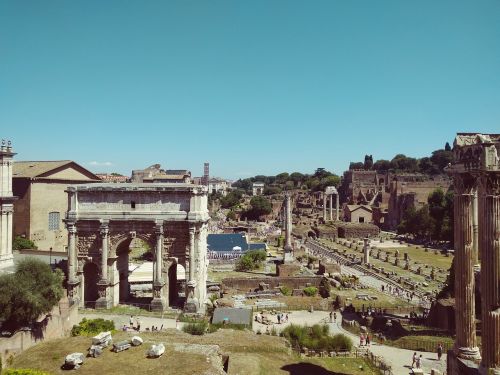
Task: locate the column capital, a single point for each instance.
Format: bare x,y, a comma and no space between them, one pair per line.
490,183
464,183
104,230
71,227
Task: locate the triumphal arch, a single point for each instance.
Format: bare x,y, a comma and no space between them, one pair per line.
103,219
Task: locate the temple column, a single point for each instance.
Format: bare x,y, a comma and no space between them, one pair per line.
287,254
159,302
475,228
331,207
104,302
466,341
324,207
337,202
489,234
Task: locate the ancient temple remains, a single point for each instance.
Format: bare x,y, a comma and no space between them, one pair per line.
476,173
103,219
330,191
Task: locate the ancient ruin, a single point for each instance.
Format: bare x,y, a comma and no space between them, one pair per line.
476,171
330,192
103,219
6,204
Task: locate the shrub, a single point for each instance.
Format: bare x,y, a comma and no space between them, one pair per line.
251,260
92,327
316,337
198,328
20,243
310,291
23,371
286,291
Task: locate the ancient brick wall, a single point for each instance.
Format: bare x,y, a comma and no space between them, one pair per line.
247,284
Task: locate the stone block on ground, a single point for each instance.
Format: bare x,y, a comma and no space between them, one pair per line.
136,341
95,351
103,339
156,351
74,359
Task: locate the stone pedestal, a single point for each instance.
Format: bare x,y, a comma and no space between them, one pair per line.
103,302
192,304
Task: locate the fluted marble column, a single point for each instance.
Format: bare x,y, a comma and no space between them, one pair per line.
191,253
337,202
331,207
324,207
475,228
466,341
489,234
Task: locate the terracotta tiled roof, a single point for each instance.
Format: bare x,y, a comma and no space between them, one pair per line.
33,169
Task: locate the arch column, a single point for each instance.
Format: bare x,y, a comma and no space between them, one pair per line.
159,302
73,281
191,305
104,300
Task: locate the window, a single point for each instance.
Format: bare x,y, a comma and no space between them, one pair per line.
361,219
54,219
132,204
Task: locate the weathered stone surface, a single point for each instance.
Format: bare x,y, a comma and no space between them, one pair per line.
136,341
74,359
156,350
103,339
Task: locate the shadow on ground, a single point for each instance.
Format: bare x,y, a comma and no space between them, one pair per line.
303,368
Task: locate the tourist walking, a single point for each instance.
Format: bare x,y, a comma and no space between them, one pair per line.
414,360
419,361
331,316
131,321
440,351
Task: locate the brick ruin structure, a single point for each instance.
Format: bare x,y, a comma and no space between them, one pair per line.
103,219
476,173
388,194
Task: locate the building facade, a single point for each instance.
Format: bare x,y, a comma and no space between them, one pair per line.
43,202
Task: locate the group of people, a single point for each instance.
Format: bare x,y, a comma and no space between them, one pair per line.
365,339
333,316
262,318
417,359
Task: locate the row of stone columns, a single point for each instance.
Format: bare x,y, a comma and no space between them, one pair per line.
489,234
477,235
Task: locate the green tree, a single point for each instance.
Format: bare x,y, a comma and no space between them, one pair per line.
260,206
447,147
382,165
368,164
33,289
441,158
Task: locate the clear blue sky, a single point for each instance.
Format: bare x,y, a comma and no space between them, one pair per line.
253,87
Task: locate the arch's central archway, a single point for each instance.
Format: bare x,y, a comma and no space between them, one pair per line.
170,219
